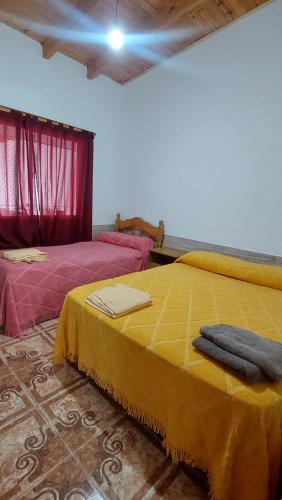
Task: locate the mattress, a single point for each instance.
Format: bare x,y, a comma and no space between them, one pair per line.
35,292
207,416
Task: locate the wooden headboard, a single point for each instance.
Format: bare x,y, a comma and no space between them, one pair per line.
139,226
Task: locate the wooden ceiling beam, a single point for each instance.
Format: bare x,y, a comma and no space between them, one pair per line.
52,44
190,20
97,66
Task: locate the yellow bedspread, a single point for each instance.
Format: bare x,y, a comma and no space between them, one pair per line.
146,360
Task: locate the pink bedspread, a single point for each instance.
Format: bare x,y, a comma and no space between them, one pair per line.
31,293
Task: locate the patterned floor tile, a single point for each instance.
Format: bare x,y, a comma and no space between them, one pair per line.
13,400
4,340
175,485
45,381
48,329
80,414
29,449
4,369
61,437
122,461
67,481
30,348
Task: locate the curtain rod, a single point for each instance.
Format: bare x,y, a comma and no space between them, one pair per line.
41,119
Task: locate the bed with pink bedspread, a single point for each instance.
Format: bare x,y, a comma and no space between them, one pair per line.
35,292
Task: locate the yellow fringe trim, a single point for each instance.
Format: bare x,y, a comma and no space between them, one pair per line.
177,454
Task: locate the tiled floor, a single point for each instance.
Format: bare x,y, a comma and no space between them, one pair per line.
62,438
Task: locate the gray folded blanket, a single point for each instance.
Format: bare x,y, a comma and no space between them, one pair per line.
264,353
241,367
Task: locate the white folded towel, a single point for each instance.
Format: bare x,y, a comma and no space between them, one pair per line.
115,301
25,255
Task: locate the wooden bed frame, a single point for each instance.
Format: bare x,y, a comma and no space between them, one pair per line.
138,226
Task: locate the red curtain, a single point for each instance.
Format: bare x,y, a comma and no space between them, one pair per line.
45,182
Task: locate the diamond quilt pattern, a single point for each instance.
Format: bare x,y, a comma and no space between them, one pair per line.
147,361
31,293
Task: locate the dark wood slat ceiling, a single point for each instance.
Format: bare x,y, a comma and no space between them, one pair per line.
174,25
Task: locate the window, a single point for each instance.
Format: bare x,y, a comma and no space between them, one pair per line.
45,173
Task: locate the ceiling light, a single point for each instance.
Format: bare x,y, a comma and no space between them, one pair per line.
116,38
116,35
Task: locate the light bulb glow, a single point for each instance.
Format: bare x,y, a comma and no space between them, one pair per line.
116,39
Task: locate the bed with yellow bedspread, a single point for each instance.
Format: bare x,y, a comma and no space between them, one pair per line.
207,416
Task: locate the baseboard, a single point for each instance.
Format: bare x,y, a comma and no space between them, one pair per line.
98,228
189,245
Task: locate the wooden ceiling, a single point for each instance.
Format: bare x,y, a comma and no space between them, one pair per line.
165,28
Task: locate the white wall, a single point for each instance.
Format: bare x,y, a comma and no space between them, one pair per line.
58,89
197,141
202,140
